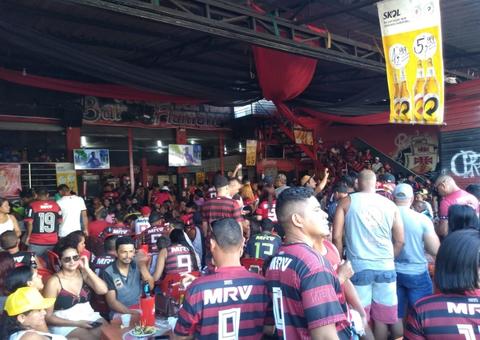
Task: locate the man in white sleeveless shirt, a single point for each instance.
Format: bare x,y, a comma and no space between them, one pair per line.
373,231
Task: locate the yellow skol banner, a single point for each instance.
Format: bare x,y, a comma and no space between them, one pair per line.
251,158
412,41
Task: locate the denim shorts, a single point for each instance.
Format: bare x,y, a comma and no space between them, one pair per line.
410,289
377,290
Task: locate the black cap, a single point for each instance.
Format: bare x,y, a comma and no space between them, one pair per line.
154,217
220,181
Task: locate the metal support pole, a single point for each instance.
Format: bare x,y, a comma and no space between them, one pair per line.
130,160
221,145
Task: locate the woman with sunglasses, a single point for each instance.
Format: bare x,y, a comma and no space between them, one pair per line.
24,316
72,315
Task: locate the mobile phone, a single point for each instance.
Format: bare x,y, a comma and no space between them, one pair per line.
95,324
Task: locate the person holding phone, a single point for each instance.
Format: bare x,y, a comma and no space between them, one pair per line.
72,315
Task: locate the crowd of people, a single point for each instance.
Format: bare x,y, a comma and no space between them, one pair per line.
338,255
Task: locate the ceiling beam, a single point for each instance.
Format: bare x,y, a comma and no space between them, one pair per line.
344,9
350,53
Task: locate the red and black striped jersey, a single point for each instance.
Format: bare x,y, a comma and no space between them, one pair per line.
229,304
179,260
297,277
445,317
150,236
45,217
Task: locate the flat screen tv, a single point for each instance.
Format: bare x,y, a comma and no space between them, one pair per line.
184,155
91,159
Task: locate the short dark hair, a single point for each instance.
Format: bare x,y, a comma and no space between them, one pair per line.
461,217
267,224
227,233
42,191
18,278
63,245
110,243
163,242
474,189
75,237
124,240
8,239
349,181
456,266
287,202
63,187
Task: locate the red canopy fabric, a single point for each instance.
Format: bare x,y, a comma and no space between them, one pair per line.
98,90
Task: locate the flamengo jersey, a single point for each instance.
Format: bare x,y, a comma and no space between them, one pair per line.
179,260
99,263
114,231
151,235
304,292
265,212
263,245
444,317
45,217
141,224
24,258
229,304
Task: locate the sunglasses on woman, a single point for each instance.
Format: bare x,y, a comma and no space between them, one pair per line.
69,259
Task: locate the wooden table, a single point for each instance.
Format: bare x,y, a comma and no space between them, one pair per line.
114,331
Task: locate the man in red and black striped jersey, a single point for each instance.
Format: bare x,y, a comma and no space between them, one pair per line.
10,242
301,282
43,222
232,302
99,263
158,228
218,208
455,312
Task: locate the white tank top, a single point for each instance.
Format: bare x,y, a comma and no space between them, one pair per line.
18,335
7,225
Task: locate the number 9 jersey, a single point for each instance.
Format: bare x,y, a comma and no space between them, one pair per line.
45,217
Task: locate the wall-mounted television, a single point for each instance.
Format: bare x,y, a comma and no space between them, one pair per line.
91,159
184,155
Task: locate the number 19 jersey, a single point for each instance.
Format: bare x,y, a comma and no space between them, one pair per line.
229,304
46,217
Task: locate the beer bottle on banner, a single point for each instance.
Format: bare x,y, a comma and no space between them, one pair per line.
395,115
418,92
431,100
405,107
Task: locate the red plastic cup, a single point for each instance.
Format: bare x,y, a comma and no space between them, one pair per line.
147,306
144,248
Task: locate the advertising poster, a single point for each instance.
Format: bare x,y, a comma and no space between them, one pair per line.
251,152
10,182
184,155
302,136
66,174
91,159
412,42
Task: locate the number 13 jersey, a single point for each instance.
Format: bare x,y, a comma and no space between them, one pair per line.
45,217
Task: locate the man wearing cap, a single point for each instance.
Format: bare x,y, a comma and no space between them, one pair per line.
25,310
387,185
413,279
280,184
142,223
309,182
377,165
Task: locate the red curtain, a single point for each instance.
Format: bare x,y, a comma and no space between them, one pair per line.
98,90
282,76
